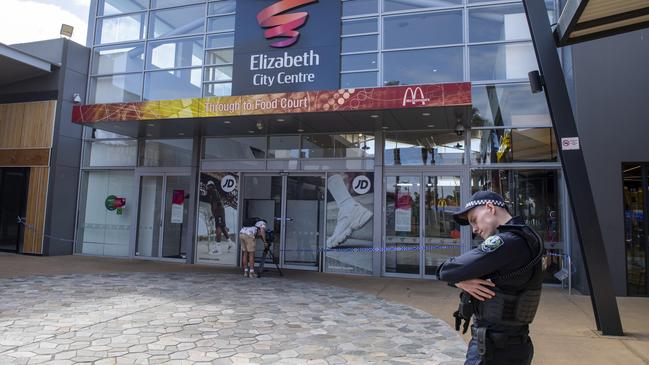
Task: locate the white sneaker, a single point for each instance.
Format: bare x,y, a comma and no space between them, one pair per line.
245,274
351,216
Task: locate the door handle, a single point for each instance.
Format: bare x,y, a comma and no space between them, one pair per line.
289,219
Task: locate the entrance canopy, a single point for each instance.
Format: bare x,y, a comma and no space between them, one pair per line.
583,20
439,106
16,65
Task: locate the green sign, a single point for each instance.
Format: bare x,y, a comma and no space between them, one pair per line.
110,202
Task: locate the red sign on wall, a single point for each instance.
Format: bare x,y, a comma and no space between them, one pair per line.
178,197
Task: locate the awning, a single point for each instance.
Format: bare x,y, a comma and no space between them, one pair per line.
583,20
17,65
439,106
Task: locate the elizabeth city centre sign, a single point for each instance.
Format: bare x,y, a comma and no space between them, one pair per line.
287,45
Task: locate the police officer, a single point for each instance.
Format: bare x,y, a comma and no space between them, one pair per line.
500,281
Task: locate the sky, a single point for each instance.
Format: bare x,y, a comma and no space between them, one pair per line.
34,20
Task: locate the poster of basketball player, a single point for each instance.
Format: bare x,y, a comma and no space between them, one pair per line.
350,222
217,218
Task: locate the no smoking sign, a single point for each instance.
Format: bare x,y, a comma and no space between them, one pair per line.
570,143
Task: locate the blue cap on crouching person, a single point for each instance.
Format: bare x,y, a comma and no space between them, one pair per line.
480,198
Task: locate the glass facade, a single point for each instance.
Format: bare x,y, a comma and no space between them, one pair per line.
135,40
635,188
102,229
389,194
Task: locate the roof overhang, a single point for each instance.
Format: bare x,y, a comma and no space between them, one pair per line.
414,107
16,65
583,20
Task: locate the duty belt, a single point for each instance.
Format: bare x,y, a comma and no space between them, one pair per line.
488,340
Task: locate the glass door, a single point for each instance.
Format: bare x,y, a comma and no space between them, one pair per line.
420,232
402,233
262,197
13,201
304,219
162,216
441,232
635,227
293,206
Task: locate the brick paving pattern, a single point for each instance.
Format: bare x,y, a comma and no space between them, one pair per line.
203,318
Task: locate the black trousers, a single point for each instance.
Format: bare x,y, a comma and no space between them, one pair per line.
519,354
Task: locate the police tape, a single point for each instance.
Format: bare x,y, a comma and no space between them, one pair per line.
370,249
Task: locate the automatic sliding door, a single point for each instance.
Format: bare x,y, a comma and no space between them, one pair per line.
263,199
402,234
441,232
175,217
304,219
149,226
162,216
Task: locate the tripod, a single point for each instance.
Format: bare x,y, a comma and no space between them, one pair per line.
268,253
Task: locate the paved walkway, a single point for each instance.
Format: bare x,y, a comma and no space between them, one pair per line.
563,332
207,318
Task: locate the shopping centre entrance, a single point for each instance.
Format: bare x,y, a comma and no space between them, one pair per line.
13,204
419,229
294,207
355,181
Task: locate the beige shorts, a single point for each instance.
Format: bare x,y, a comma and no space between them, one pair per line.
248,243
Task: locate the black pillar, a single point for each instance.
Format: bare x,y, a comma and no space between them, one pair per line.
581,197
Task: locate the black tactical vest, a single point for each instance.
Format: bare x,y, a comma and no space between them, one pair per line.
517,304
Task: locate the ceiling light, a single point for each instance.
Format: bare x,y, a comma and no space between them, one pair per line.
384,127
300,130
425,114
181,134
226,122
151,124
374,115
251,132
281,119
431,126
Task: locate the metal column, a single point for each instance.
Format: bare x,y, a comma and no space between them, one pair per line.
581,197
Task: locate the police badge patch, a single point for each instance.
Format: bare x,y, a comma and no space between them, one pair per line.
491,244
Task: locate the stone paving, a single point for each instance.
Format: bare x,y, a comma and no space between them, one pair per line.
207,318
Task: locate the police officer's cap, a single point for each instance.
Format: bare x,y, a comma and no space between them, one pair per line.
478,199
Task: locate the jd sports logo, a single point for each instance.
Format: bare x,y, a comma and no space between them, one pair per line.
283,25
228,183
361,184
414,96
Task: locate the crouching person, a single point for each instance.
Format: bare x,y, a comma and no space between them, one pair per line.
252,228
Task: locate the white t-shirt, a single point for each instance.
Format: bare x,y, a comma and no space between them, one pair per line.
252,231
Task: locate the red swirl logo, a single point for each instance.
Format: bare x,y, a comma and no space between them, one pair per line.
283,25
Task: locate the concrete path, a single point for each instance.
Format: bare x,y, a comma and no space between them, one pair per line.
563,332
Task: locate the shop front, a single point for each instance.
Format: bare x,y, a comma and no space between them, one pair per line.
343,180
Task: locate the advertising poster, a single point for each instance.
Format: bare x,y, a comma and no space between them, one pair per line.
217,218
350,222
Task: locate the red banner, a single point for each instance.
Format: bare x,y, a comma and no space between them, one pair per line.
380,98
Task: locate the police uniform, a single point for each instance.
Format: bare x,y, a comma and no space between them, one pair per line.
511,259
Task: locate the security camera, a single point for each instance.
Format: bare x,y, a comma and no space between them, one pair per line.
459,129
76,98
260,126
